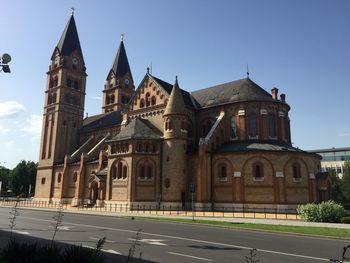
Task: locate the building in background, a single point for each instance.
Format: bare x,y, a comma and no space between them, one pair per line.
333,159
231,141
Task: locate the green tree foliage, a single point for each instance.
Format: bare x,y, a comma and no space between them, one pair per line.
22,176
4,178
345,185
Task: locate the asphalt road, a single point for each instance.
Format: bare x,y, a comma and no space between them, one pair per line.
172,242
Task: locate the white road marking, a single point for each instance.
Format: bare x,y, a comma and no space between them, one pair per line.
188,239
111,251
21,232
64,228
156,242
189,256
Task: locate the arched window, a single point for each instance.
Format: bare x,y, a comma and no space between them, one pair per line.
142,172
69,82
258,171
252,126
112,98
148,102
123,100
272,126
142,103
233,128
169,125
153,100
114,172
149,172
54,97
55,81
125,171
43,180
120,170
108,100
75,177
296,171
222,172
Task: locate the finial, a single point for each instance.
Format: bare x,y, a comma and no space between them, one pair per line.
176,79
247,71
72,10
147,70
121,37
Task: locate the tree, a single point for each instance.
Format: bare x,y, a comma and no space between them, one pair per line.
4,178
22,176
345,186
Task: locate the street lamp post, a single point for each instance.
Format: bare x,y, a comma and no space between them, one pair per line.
4,61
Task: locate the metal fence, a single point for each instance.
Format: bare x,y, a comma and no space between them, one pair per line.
202,211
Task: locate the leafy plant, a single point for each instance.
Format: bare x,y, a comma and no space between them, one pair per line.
345,220
345,257
328,211
58,222
252,258
136,242
14,213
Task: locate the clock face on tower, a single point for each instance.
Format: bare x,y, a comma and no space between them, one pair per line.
75,61
126,82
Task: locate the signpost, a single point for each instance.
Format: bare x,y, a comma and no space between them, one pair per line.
192,191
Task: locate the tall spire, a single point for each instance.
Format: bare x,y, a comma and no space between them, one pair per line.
176,104
69,40
120,65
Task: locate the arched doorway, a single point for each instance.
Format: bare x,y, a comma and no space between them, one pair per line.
94,192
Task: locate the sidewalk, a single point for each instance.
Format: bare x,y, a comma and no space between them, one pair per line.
189,216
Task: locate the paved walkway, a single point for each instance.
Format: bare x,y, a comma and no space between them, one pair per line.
201,217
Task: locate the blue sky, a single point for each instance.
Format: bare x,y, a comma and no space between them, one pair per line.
300,47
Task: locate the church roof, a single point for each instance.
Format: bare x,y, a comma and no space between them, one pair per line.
120,64
176,103
187,97
101,121
239,90
138,129
69,40
247,146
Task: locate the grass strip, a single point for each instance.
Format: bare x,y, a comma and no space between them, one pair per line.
304,230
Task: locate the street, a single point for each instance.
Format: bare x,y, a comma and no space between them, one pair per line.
173,242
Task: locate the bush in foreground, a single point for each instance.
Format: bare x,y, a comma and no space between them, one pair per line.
20,252
328,211
345,219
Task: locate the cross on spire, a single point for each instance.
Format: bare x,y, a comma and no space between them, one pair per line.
72,10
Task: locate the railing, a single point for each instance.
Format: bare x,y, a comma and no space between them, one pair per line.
202,211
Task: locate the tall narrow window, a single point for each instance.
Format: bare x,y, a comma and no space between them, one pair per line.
142,103
272,126
222,172
296,171
125,171
142,172
233,128
153,100
120,167
149,172
252,127
258,171
148,102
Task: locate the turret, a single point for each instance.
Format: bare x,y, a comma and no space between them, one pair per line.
175,148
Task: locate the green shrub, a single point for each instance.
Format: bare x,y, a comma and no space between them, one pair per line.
328,211
345,219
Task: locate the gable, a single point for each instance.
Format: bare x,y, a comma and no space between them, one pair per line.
149,94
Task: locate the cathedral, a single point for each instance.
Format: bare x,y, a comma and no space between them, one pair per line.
157,144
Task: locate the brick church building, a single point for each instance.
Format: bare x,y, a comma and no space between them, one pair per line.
231,141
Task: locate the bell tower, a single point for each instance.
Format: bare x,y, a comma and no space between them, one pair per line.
64,98
119,86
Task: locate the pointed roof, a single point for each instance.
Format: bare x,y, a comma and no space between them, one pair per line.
138,129
69,40
120,65
176,104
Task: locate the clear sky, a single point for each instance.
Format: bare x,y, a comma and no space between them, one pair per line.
301,47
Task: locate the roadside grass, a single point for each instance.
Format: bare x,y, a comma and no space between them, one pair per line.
303,230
